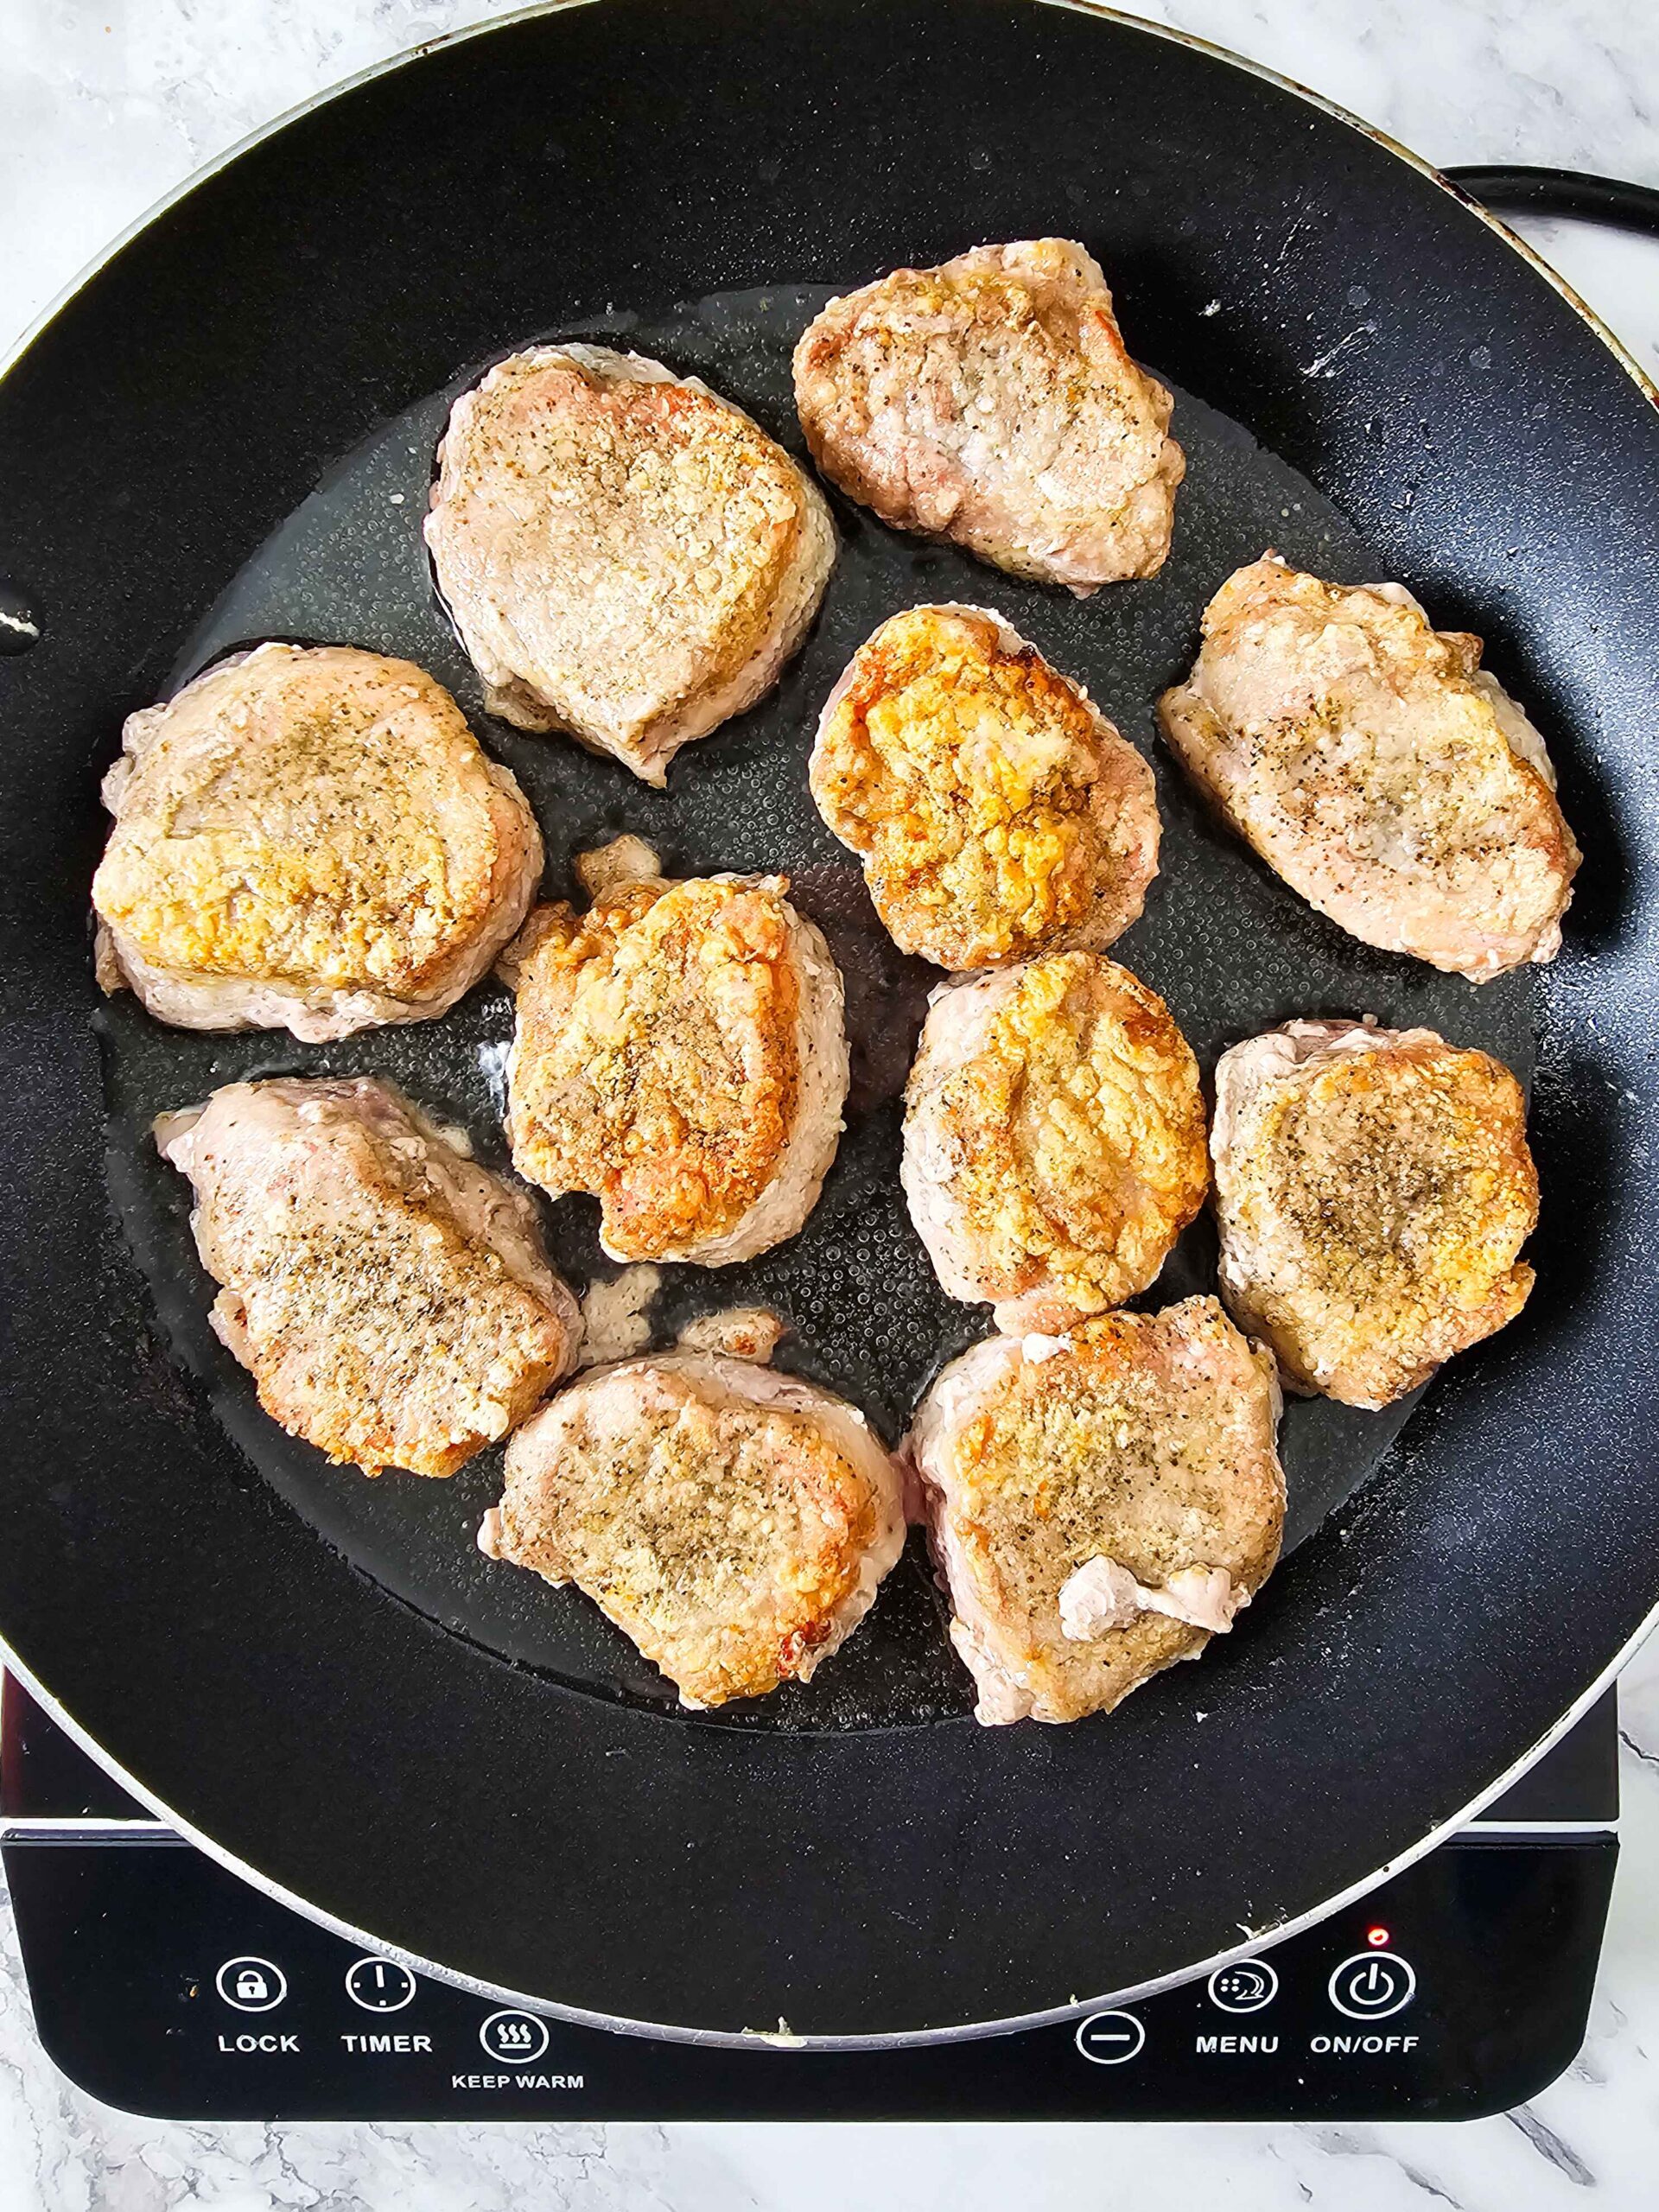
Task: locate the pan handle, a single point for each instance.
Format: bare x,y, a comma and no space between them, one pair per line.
1571,193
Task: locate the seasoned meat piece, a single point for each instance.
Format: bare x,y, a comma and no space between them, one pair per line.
616,1315
308,838
1373,763
1053,1139
990,401
1099,1505
1373,1187
734,1523
391,1299
627,556
997,813
679,1053
743,1332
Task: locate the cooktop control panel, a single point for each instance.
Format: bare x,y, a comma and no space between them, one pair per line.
165,1985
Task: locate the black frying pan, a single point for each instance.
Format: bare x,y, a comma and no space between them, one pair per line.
226,434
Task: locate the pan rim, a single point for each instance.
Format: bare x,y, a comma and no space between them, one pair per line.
1423,167
1255,1940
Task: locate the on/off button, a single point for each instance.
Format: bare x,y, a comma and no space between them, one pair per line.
1373,1986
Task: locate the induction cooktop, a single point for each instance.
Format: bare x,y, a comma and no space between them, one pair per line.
166,1984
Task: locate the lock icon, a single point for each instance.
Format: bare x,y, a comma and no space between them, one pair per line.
251,1984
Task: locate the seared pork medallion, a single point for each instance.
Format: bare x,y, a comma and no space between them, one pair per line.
734,1524
391,1299
1374,1188
679,1053
997,813
311,837
627,557
991,401
308,838
1054,1138
1376,766
1101,1504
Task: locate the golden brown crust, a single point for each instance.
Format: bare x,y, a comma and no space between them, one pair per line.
1146,1439
734,1524
657,1062
1054,1142
313,817
999,815
389,1298
1372,1205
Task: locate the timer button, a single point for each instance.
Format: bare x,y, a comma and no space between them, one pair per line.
1373,1984
379,1985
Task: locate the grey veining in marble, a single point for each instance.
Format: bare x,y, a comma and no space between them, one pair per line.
104,104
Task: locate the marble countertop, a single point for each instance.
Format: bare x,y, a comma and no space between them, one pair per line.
104,104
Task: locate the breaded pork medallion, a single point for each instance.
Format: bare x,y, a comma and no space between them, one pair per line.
997,813
1374,1188
1099,1505
1376,766
992,401
734,1523
679,1053
308,838
1054,1138
627,556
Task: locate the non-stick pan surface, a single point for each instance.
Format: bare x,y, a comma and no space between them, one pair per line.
226,434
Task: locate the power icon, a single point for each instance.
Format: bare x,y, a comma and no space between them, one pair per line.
1373,1984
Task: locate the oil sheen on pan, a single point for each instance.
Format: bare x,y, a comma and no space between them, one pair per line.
1229,950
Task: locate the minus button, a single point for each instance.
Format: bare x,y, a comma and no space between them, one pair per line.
1108,2038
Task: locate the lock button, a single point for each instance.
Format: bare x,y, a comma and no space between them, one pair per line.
251,1985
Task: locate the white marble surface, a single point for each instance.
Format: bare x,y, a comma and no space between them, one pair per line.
106,104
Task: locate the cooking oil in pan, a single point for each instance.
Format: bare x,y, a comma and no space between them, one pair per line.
1229,948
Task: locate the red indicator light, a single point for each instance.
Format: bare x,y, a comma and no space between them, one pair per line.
1378,1937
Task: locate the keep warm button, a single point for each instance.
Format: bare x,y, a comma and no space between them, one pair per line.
1373,1986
